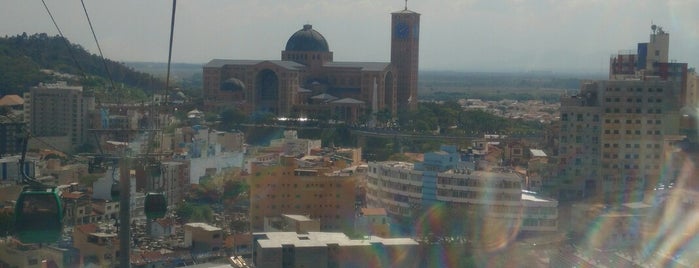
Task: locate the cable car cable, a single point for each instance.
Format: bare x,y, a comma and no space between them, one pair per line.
65,41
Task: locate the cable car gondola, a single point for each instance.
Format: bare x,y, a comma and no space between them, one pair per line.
155,205
38,210
38,215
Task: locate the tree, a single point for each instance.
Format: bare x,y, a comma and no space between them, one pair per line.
232,117
189,212
383,117
233,188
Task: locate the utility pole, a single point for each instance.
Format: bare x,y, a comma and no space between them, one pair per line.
126,172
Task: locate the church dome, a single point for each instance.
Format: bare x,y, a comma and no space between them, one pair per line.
307,39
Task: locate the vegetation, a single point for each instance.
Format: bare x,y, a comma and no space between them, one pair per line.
191,212
232,118
444,86
22,58
449,119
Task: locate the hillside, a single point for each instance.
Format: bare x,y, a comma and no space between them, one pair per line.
22,58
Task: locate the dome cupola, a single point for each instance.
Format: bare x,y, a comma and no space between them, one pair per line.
307,39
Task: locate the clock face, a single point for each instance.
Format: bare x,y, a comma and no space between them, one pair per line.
401,30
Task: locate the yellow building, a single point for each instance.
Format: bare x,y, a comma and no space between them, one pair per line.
201,237
13,253
96,245
314,185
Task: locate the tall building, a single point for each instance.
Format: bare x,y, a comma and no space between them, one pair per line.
612,138
651,61
613,132
405,46
306,82
58,113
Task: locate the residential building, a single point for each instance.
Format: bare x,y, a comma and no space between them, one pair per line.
291,223
13,253
325,249
613,133
162,227
290,144
200,237
10,173
312,185
176,183
98,245
372,221
64,174
307,82
407,190
58,113
12,134
201,148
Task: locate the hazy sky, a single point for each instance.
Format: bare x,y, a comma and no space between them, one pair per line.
464,35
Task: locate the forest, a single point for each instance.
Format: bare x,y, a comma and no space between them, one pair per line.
23,57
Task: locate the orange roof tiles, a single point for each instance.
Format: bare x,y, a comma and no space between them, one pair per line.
11,100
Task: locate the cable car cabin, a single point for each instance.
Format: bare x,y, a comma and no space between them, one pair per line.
155,205
38,215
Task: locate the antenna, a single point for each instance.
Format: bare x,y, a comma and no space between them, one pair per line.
406,4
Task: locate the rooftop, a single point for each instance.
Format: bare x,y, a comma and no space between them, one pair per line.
374,211
322,239
202,225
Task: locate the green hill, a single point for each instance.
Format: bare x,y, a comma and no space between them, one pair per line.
22,58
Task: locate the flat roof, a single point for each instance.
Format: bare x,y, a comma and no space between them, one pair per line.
534,198
364,66
537,153
322,239
297,217
203,226
374,211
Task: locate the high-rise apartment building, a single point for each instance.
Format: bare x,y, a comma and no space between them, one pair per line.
58,112
613,132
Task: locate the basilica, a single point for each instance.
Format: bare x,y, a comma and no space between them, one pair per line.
306,82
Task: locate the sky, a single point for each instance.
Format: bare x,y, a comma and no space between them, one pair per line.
456,35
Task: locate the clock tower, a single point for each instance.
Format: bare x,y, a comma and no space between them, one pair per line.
405,43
